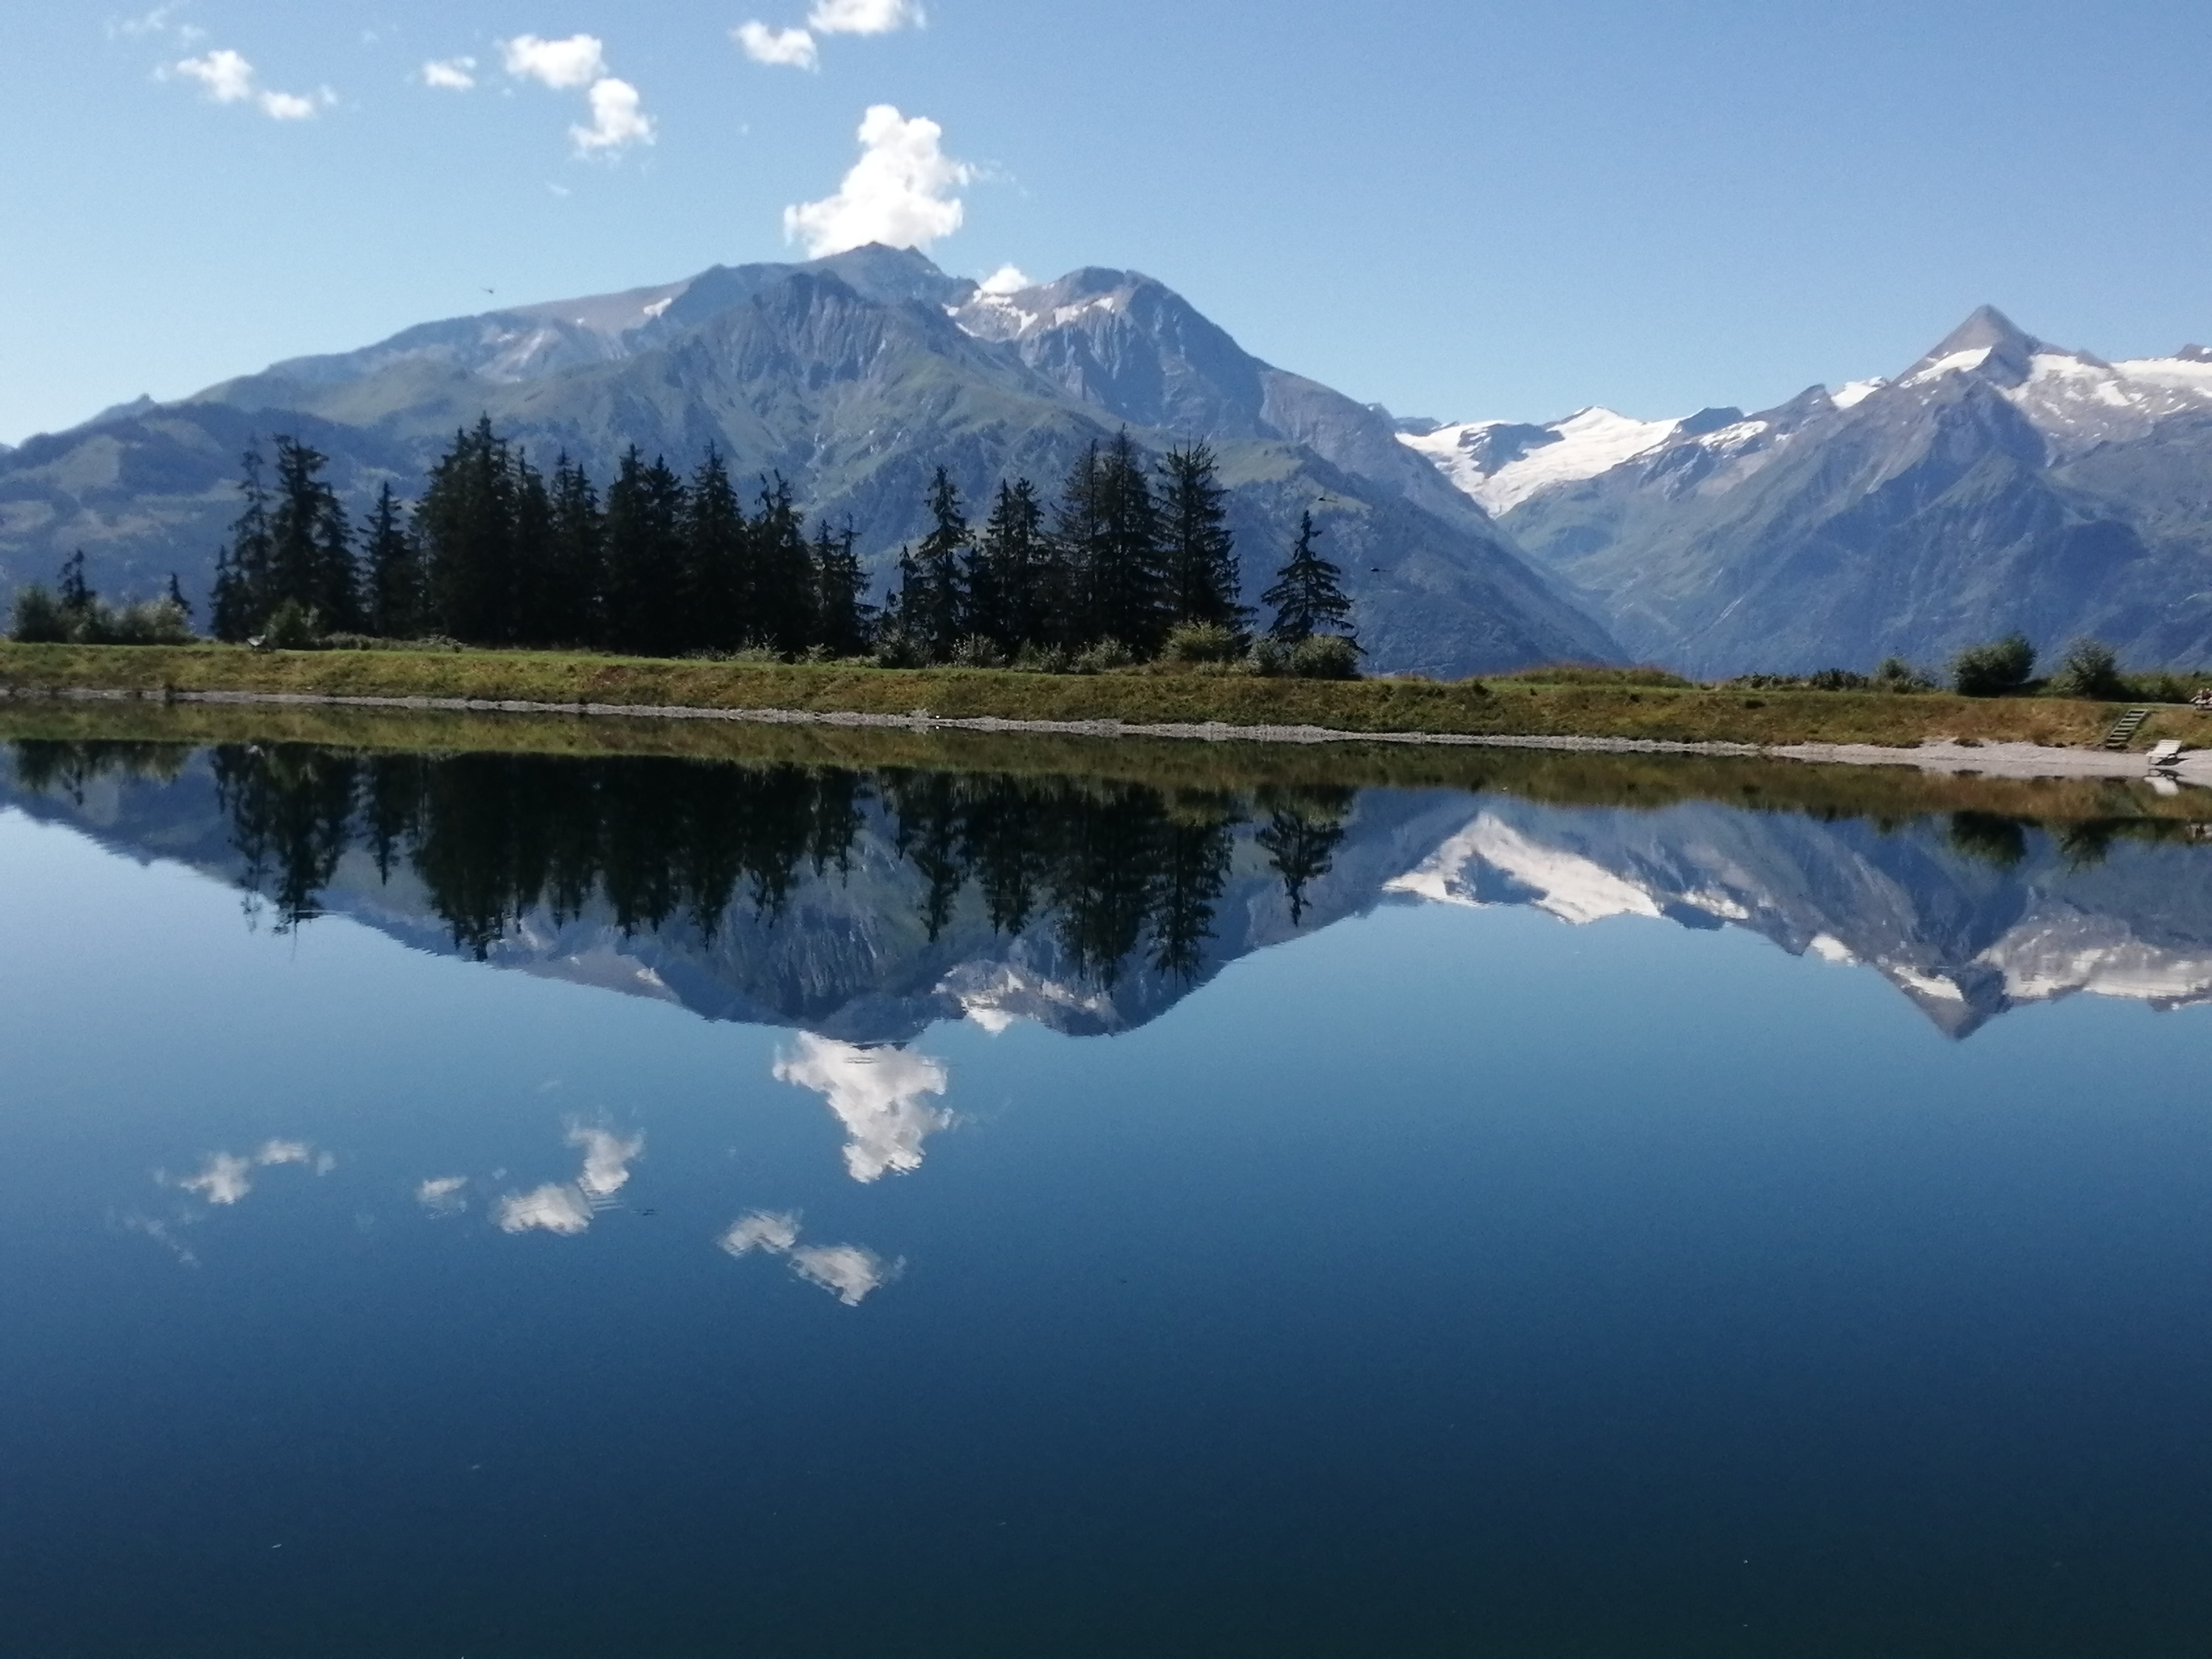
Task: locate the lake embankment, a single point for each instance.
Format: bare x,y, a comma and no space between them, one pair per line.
2016,737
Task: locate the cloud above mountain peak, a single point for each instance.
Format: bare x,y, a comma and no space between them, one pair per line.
900,192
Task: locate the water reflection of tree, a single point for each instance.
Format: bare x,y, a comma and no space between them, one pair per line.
1301,836
1115,872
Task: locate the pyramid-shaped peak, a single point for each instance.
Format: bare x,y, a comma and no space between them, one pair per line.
1989,329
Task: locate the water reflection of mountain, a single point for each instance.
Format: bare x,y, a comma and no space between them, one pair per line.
1968,914
865,906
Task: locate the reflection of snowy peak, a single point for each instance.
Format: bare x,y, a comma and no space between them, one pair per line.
1967,917
1965,939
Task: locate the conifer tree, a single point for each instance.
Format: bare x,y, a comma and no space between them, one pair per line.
1203,578
932,606
783,573
77,594
842,616
1109,530
1009,574
466,524
645,557
575,569
240,597
527,608
1077,532
1308,596
175,595
394,571
310,554
717,559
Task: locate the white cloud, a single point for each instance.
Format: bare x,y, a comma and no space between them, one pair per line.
555,1207
877,1094
443,1196
155,22
846,1269
228,1177
229,79
785,48
898,192
1005,280
863,16
617,118
450,74
564,65
228,76
764,1229
606,1160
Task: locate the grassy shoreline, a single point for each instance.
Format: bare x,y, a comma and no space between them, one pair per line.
1558,777
1518,706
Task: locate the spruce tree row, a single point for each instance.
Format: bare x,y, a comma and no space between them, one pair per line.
497,552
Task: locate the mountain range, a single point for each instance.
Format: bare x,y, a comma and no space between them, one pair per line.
853,376
1998,484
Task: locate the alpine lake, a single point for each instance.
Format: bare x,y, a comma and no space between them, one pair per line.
495,1188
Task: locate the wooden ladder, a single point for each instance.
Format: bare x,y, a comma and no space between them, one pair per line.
2126,727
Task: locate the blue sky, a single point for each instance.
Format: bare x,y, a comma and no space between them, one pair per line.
1462,210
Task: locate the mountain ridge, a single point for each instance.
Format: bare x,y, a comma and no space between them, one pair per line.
854,377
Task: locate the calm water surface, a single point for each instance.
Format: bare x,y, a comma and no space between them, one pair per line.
481,1206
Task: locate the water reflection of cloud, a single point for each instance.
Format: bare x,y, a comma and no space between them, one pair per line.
761,1230
557,1207
566,1207
877,1094
443,1196
229,1176
606,1160
849,1272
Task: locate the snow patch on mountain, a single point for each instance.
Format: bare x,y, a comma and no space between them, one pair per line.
1588,442
1956,363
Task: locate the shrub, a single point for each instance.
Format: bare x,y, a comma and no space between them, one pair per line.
292,627
1108,653
2163,686
1895,674
976,651
1201,642
1325,657
895,649
1269,657
39,617
2088,670
158,621
1994,670
1837,679
1042,659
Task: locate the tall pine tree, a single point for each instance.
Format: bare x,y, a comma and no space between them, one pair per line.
394,571
783,573
842,616
717,558
575,569
1204,582
466,524
241,599
932,609
645,557
1308,596
1010,574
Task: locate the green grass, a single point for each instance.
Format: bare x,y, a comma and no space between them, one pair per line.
1561,703
1566,778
